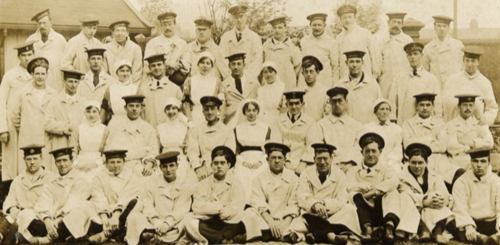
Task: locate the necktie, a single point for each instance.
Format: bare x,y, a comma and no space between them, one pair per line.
322,178
415,72
293,119
238,36
96,79
368,170
203,48
238,85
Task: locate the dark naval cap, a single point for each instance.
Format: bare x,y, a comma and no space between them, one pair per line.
272,146
89,20
371,137
336,91
413,47
294,94
323,147
109,154
317,16
133,98
226,152
72,74
203,22
279,20
413,148
25,47
346,9
120,23
62,152
442,19
473,52
479,152
425,97
167,157
95,51
32,149
466,98
354,54
167,16
36,62
155,58
210,101
37,17
238,9
315,61
236,56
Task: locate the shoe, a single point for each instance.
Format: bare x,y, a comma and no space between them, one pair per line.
310,239
227,241
39,240
147,236
388,236
425,237
240,239
337,239
441,240
290,238
98,238
485,240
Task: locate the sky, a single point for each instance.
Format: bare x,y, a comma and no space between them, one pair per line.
485,11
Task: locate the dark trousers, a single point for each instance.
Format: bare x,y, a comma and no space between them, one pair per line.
372,215
215,230
483,227
320,227
7,230
37,228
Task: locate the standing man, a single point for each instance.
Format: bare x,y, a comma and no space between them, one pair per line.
393,54
464,132
273,202
74,57
298,131
470,80
338,128
172,46
315,98
156,89
204,137
411,82
13,79
204,42
284,53
50,45
135,135
238,87
64,113
476,207
24,192
96,81
243,40
443,54
122,48
320,45
355,37
363,89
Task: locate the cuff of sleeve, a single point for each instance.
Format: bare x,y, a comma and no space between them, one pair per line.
170,221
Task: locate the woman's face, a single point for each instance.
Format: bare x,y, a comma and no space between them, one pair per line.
269,75
251,112
171,111
124,73
92,114
383,112
205,65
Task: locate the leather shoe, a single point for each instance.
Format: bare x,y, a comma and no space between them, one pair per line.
389,236
291,238
425,237
98,238
240,239
310,239
147,236
337,239
485,240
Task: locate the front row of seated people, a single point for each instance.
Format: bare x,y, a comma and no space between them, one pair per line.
368,203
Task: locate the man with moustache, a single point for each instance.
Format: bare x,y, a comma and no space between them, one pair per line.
241,39
442,56
355,37
167,200
283,52
470,80
24,192
62,203
315,99
363,89
50,45
204,137
320,45
393,55
64,113
28,110
75,57
172,46
156,88
96,81
122,48
410,82
13,79
476,207
135,135
464,132
204,43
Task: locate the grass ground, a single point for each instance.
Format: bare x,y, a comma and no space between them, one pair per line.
280,243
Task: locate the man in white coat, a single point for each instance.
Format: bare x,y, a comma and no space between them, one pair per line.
393,54
96,81
18,208
315,98
50,45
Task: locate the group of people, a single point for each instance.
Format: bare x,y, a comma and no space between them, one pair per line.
346,138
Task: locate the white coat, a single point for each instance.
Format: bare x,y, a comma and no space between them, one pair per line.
287,58
75,57
326,49
443,58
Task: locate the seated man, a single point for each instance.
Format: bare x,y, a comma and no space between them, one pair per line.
273,199
114,194
166,199
464,132
24,192
135,135
373,185
428,192
476,195
61,204
323,195
218,203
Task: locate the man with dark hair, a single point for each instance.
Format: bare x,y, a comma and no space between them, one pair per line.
315,99
218,203
96,81
167,200
280,49
50,45
476,195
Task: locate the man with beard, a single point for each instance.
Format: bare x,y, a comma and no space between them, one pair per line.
464,132
122,48
24,193
50,45
320,45
96,81
393,55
